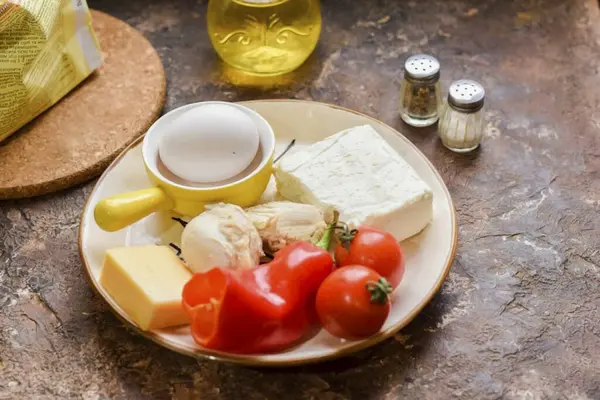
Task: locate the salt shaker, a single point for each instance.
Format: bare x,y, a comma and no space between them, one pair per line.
420,95
462,119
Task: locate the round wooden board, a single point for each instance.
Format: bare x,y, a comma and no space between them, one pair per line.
78,138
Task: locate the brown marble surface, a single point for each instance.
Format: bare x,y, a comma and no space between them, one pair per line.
518,317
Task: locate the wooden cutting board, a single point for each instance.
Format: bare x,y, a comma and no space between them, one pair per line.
77,138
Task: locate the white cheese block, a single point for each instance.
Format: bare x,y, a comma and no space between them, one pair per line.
360,175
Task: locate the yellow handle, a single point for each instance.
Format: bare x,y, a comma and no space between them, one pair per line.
117,212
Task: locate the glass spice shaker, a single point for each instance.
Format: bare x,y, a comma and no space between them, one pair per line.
462,119
420,95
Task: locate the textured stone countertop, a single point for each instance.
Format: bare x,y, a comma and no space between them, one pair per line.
519,315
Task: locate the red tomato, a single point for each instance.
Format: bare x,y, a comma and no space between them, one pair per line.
353,302
374,249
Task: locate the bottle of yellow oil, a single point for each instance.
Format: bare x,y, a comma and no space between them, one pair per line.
264,37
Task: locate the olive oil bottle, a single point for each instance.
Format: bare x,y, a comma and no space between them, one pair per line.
264,37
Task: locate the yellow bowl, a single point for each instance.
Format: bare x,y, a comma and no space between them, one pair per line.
117,212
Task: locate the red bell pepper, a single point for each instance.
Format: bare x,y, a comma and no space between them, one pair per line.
263,309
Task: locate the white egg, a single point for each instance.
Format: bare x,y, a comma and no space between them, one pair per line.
209,143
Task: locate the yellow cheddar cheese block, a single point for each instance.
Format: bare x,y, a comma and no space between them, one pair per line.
146,282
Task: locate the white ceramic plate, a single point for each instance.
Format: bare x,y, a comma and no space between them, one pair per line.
429,254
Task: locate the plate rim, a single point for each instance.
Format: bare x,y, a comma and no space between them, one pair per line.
250,360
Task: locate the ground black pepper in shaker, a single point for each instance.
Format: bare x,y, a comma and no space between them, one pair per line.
420,92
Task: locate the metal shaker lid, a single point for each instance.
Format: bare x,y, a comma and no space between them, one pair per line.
466,95
422,67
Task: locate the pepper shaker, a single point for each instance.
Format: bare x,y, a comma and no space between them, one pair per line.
420,95
462,117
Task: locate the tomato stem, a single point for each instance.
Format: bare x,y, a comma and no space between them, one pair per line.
346,236
380,291
326,238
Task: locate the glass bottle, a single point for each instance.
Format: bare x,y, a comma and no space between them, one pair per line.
420,95
462,120
264,37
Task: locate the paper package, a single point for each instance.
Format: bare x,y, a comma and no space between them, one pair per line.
47,47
